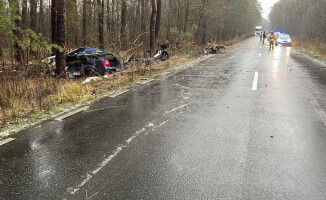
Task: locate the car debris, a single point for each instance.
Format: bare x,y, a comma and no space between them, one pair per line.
163,52
90,79
48,65
214,49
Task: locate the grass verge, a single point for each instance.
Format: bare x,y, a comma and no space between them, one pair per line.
24,102
312,48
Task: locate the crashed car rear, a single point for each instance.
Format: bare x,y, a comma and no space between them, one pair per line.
88,61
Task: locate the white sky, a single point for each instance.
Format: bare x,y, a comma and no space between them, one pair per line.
266,6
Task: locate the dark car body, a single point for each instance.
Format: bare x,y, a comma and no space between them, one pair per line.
87,61
283,39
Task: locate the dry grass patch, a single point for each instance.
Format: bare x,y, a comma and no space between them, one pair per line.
310,47
24,97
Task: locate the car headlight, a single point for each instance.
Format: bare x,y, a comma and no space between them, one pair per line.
289,40
278,40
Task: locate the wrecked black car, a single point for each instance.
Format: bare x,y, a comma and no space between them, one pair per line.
86,61
89,61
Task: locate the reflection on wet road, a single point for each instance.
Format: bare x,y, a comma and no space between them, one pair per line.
249,124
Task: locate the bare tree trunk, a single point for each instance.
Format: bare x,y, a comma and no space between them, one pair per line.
24,15
169,19
186,16
123,36
54,6
158,18
41,17
100,4
76,32
203,39
108,20
84,22
61,41
33,13
152,26
117,22
113,21
14,6
137,19
143,17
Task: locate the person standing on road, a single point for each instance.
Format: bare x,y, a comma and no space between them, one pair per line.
261,36
264,37
271,39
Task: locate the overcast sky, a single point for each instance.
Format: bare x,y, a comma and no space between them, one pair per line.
267,5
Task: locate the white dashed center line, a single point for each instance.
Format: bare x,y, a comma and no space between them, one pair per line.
255,83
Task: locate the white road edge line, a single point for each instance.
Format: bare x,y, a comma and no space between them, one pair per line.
165,73
255,83
118,93
177,108
60,118
5,141
147,81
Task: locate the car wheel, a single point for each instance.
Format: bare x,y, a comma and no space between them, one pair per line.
90,72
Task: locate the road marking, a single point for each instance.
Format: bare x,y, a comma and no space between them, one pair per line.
71,113
165,73
118,93
259,54
255,83
6,141
104,108
147,81
120,147
149,126
177,108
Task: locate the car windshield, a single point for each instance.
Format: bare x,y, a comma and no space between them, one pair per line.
108,56
285,37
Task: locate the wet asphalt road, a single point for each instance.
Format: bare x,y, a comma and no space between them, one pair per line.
200,132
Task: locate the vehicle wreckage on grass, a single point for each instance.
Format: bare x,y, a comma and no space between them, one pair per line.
86,61
214,48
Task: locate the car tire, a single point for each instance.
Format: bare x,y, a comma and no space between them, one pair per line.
90,71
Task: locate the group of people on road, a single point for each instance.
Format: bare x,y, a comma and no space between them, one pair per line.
271,38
